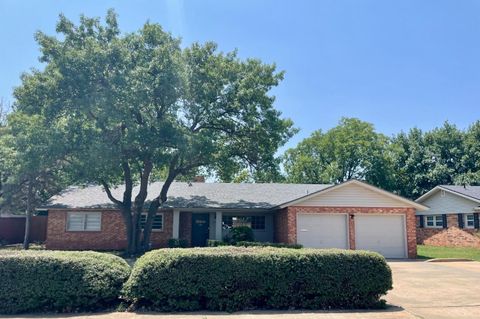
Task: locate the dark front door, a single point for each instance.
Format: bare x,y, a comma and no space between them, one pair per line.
200,224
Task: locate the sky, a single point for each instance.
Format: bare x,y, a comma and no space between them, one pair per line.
396,64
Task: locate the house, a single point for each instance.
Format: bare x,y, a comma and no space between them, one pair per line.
453,218
351,215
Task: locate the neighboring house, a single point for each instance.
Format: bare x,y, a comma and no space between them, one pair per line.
351,215
453,218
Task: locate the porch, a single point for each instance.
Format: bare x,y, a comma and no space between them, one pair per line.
199,226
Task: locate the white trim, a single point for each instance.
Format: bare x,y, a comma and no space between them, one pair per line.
218,225
84,221
437,188
156,214
465,223
425,221
175,224
410,203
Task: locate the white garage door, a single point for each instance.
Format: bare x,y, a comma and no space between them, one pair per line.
384,234
322,230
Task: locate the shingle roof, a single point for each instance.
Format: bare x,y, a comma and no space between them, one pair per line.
470,191
193,195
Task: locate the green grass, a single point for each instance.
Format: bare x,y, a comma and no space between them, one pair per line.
429,252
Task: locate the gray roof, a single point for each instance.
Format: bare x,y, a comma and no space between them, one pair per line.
193,195
470,191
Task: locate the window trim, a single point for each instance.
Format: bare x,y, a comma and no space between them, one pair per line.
465,221
435,218
84,213
155,230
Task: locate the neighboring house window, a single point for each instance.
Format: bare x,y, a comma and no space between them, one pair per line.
254,222
469,221
84,221
157,221
434,221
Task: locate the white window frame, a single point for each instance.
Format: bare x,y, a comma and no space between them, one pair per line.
435,221
155,230
465,221
84,221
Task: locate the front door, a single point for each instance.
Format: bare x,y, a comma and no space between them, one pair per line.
200,230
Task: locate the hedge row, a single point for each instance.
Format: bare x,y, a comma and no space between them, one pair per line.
218,243
222,278
235,278
35,281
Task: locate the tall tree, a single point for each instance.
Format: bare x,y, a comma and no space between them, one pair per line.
138,104
350,150
34,156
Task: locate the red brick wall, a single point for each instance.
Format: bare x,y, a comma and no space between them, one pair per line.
287,219
452,236
111,237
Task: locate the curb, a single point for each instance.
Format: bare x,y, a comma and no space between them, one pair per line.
442,260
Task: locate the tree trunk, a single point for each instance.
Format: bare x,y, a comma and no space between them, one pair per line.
28,217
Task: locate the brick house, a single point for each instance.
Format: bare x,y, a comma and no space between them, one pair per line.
351,215
453,217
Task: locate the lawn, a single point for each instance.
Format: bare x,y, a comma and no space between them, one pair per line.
429,252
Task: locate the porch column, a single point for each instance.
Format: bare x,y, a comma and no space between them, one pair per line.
176,224
218,225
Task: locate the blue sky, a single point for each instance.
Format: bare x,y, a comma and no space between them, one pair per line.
396,64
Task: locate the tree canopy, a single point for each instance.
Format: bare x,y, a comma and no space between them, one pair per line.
135,106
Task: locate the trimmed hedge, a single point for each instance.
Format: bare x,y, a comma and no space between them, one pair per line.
236,278
218,243
33,281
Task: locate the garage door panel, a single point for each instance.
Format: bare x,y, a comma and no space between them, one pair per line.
322,230
383,234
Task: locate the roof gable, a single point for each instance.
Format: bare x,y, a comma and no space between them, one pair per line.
354,193
469,192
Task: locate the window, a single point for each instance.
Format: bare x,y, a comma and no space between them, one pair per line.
84,221
157,221
258,222
434,221
469,221
254,222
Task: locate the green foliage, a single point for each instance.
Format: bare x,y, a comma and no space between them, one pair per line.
267,244
34,281
139,106
234,278
239,233
177,243
350,150
217,243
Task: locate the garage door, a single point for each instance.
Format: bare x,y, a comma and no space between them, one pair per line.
384,234
322,230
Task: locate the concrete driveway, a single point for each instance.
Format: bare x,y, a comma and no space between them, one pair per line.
436,290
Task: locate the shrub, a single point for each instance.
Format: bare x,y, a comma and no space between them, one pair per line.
216,243
177,243
266,244
59,281
236,278
240,233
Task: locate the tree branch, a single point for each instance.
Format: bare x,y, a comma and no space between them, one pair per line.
110,195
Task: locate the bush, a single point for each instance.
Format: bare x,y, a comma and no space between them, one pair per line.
216,243
266,244
59,281
236,278
240,233
177,243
